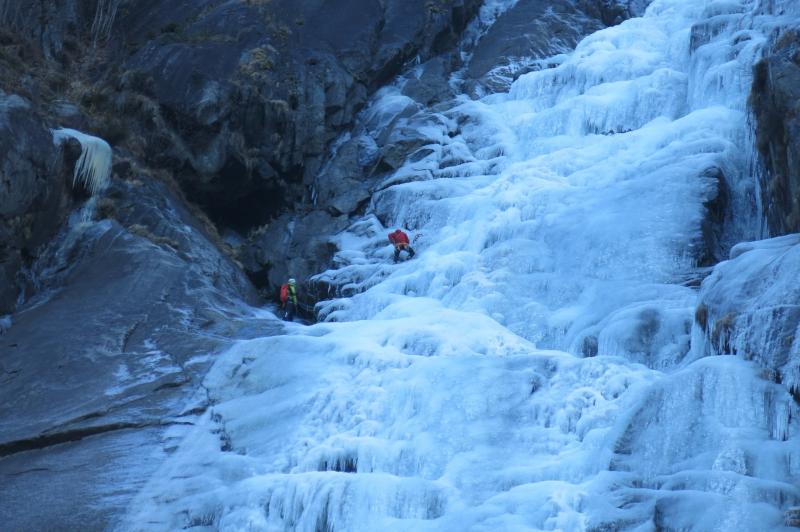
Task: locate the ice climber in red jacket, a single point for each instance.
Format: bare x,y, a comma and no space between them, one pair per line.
400,241
289,299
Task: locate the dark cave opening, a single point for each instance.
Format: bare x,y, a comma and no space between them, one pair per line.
241,200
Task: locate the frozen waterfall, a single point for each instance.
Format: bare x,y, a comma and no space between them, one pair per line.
93,168
537,365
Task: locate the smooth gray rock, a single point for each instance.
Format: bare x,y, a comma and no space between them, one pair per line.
127,315
81,485
21,137
341,187
108,290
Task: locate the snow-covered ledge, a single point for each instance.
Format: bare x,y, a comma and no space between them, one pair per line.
93,168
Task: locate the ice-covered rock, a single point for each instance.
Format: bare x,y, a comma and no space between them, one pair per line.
121,318
750,308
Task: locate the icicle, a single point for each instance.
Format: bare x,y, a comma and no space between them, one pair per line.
104,17
93,168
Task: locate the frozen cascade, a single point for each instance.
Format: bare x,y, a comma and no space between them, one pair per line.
537,365
93,168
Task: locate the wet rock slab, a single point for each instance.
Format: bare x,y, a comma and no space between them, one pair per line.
129,312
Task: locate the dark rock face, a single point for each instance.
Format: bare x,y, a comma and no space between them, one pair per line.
713,225
241,100
775,100
34,192
301,242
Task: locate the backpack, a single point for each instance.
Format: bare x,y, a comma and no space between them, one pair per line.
284,293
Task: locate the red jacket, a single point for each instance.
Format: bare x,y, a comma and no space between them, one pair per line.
398,237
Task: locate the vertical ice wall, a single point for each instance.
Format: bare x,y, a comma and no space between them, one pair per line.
532,368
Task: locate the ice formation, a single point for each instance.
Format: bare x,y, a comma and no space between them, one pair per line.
93,168
537,366
105,13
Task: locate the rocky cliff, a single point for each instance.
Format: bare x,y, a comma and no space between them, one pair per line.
775,100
